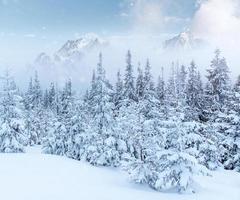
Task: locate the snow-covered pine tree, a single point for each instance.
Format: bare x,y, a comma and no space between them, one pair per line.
78,140
156,147
57,139
149,104
35,114
28,99
171,93
220,110
37,92
194,92
237,85
218,81
140,84
45,99
66,101
175,106
52,97
160,89
236,133
148,78
129,87
118,95
30,118
149,115
12,134
167,165
89,100
102,147
129,128
229,129
182,81
55,142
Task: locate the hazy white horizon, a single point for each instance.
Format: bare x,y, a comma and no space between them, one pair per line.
32,27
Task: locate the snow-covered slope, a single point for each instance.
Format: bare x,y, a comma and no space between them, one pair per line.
185,40
35,176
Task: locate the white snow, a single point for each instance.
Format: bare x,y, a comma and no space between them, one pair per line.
35,176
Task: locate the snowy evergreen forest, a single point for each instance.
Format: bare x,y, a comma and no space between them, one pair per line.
161,133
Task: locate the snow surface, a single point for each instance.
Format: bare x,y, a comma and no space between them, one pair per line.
35,176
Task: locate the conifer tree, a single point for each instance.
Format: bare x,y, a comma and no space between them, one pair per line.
194,92
37,93
12,134
129,88
118,96
218,80
182,81
102,148
140,84
160,89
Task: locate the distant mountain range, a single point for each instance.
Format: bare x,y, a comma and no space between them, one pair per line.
77,58
72,51
185,40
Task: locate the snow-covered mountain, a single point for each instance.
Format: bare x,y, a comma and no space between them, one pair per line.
77,48
185,40
72,51
43,59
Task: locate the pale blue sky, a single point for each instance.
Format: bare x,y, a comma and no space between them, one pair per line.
46,24
76,15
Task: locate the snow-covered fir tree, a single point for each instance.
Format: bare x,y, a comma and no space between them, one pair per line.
129,87
218,81
12,134
58,133
140,84
118,95
102,144
160,88
34,103
194,93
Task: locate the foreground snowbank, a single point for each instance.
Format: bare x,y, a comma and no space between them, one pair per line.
35,176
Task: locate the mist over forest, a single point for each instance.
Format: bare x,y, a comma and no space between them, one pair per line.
123,99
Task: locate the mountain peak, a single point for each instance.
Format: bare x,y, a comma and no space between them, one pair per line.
184,40
43,59
72,51
81,45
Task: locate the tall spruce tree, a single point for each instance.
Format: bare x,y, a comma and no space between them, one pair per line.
102,144
12,134
118,96
218,81
129,88
160,88
194,93
140,84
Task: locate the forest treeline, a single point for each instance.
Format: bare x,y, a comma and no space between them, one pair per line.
161,133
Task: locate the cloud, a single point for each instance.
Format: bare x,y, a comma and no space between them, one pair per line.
176,20
146,15
218,21
158,16
124,14
30,35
